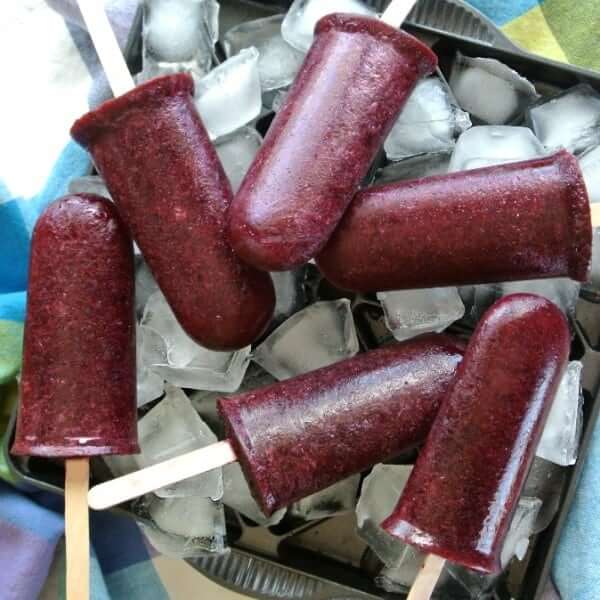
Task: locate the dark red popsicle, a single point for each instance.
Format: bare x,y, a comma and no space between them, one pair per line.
301,435
78,383
353,84
165,176
462,493
525,220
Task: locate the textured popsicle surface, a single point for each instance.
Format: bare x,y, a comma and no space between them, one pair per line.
461,496
301,435
524,220
164,174
350,89
78,379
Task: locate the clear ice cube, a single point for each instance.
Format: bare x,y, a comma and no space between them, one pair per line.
229,97
170,429
88,184
429,122
520,530
290,294
570,120
315,337
149,348
121,465
237,151
278,62
188,364
179,35
400,576
278,99
489,145
299,23
412,312
183,527
181,349
414,168
488,89
590,167
337,499
560,439
237,495
562,291
145,286
378,497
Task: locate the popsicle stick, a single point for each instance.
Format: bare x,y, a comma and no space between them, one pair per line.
166,473
77,528
427,578
595,208
106,45
397,11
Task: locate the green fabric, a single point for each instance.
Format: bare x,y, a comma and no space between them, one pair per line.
11,341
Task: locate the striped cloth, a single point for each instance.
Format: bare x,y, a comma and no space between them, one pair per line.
35,167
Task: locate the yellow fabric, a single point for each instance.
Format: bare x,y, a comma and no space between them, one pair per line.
531,31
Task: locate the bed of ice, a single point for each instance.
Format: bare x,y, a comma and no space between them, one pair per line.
242,74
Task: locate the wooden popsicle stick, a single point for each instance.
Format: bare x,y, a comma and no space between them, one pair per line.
106,45
397,11
160,475
77,528
595,209
427,578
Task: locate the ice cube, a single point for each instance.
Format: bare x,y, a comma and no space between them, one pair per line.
149,348
560,439
378,498
289,293
590,167
183,527
88,184
279,99
471,584
545,481
489,90
315,337
336,499
520,530
485,146
145,286
299,23
188,364
429,122
570,120
229,97
237,151
121,465
209,370
278,62
173,428
400,576
414,168
412,312
237,495
179,34
181,349
562,291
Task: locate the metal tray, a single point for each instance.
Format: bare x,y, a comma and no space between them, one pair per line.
326,560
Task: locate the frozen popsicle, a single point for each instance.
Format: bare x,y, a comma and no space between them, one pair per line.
353,84
78,388
460,498
524,220
166,178
78,384
301,435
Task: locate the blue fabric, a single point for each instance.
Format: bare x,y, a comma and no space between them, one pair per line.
503,12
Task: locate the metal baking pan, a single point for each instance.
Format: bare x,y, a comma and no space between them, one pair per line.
326,560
